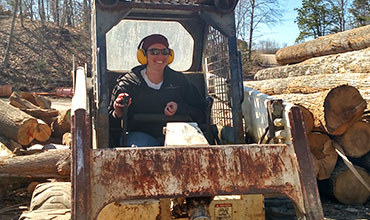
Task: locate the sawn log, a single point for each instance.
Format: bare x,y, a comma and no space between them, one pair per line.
334,110
309,84
47,115
355,39
19,126
356,140
345,187
322,148
48,164
350,62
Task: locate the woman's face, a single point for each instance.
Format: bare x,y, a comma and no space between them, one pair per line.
158,61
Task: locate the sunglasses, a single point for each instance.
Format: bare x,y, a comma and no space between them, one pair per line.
155,51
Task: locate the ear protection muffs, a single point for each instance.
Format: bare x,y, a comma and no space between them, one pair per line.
141,55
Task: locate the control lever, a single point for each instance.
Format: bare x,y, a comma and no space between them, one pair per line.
124,102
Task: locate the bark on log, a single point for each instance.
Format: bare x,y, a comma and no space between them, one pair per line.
62,123
315,164
4,151
48,164
345,187
12,145
37,100
67,139
309,84
307,118
355,39
46,115
322,148
334,110
356,140
365,93
350,62
16,124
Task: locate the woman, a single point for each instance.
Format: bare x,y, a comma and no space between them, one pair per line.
154,89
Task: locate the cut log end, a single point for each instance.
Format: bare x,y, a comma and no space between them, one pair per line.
356,140
43,131
27,131
321,147
347,188
343,106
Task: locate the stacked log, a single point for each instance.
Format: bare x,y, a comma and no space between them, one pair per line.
355,39
26,122
333,92
32,120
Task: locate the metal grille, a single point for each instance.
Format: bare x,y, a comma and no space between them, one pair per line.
218,72
174,2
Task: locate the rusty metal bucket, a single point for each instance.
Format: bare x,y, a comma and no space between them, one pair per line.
5,90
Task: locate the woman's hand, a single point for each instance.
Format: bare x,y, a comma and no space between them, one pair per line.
170,108
120,103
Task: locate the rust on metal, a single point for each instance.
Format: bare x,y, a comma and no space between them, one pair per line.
159,172
6,90
310,192
190,6
81,149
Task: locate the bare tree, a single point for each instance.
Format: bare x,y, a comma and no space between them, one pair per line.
250,14
86,14
340,8
5,61
41,7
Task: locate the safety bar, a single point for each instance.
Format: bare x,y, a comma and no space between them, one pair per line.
81,148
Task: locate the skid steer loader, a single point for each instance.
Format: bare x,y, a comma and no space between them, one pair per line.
261,149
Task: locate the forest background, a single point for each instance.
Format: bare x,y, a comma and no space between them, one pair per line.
41,38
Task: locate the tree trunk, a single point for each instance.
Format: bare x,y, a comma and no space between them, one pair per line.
356,140
350,62
19,126
309,84
322,148
345,186
12,145
6,55
355,39
48,164
334,110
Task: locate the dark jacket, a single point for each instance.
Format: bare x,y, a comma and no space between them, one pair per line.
148,101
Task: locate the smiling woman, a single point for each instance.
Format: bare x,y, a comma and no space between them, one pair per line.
123,44
153,89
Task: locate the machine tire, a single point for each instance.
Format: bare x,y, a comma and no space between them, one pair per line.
50,201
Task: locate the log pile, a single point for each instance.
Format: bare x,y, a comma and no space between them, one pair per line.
29,129
329,79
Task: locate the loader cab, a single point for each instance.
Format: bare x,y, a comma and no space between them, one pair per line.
201,34
204,39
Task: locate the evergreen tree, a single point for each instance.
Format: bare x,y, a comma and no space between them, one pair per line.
360,12
316,18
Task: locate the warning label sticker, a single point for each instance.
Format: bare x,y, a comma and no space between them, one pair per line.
224,211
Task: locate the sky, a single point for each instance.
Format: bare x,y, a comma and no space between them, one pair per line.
285,32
